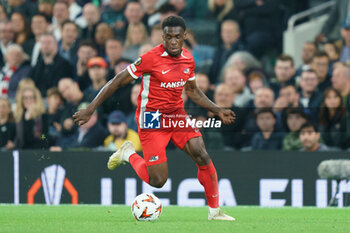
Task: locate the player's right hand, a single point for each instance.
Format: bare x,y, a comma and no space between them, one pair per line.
82,116
227,116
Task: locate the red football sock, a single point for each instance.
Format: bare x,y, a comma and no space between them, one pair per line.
139,165
209,179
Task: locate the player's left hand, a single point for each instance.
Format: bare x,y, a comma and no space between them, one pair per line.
227,116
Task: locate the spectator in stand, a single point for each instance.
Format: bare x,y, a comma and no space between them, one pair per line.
308,52
120,99
26,82
98,70
164,11
68,45
91,15
261,24
345,33
339,13
268,138
150,9
156,35
51,67
131,120
333,54
310,137
60,15
284,72
222,9
54,114
27,8
145,48
264,98
39,25
46,7
119,132
203,83
16,68
75,10
256,80
7,125
86,50
182,9
3,13
113,14
20,27
31,125
202,54
332,121
243,61
310,97
341,82
88,136
236,79
136,36
114,51
121,64
320,63
134,14
102,34
7,36
288,98
295,119
73,96
232,134
231,43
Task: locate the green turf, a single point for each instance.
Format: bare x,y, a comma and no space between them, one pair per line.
96,219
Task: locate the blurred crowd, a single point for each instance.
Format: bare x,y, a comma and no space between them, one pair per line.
55,56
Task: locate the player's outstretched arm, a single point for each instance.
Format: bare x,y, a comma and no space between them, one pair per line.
196,95
121,79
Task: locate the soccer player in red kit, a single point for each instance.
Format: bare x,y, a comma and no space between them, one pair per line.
165,71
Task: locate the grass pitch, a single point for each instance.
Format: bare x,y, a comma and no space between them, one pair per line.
118,218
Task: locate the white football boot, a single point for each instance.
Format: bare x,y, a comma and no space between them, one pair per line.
121,156
217,214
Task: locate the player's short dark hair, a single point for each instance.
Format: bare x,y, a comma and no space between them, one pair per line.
285,57
174,21
309,124
88,43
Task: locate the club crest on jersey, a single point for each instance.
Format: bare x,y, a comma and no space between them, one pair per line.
186,70
138,61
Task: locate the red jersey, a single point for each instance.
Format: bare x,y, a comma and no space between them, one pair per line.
163,78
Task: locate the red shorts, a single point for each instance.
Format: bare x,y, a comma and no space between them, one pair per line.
155,141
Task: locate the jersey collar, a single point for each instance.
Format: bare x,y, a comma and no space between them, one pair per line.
164,54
